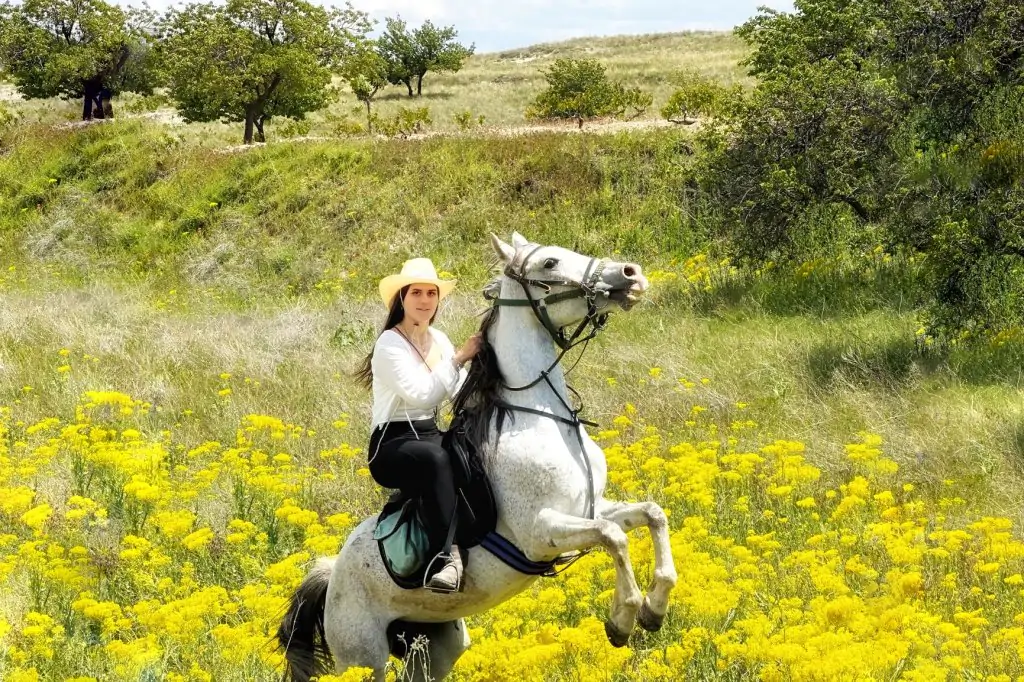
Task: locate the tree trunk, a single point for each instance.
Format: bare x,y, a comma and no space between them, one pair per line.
250,118
260,137
419,85
90,89
408,84
369,119
579,122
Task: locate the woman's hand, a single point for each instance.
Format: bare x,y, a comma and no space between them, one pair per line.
469,349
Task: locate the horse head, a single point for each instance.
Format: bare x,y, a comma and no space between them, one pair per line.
569,287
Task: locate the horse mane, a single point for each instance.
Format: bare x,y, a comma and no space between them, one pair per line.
479,399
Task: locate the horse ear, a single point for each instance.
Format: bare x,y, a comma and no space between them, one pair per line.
519,241
504,251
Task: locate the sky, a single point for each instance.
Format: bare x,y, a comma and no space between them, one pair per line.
495,25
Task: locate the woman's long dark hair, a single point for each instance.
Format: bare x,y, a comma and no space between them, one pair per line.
396,313
479,399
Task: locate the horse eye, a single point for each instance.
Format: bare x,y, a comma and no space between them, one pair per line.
550,263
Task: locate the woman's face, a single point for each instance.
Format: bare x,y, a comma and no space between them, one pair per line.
420,303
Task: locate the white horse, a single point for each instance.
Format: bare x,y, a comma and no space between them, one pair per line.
548,478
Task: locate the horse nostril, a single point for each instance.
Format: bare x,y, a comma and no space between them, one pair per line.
630,271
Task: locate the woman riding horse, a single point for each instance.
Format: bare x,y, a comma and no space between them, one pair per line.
413,369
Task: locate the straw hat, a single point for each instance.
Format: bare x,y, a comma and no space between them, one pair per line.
414,271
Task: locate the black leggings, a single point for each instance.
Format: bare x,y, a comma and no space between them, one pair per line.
416,463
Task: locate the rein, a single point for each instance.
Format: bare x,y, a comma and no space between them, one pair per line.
586,289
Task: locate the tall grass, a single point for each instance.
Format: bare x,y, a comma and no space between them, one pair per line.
174,263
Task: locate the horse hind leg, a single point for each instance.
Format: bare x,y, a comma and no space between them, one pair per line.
430,650
555,530
629,515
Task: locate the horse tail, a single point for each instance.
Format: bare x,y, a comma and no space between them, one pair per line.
301,633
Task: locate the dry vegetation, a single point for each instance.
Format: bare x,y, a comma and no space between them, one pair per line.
497,86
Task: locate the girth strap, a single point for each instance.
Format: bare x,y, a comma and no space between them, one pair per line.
502,548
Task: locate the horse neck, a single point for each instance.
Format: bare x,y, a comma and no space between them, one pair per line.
524,349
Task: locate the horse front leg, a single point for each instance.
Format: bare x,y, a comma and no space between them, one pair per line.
555,530
630,515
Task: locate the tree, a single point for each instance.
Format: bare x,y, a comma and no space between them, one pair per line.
889,118
76,49
251,60
410,54
366,73
579,89
437,51
695,95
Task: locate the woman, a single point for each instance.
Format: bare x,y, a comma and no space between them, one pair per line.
413,368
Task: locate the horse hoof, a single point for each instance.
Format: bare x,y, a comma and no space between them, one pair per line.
615,636
648,619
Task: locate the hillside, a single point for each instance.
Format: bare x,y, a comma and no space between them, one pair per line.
495,85
181,433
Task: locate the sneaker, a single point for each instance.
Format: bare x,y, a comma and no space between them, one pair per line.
449,578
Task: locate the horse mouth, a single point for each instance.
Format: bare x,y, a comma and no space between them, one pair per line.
628,296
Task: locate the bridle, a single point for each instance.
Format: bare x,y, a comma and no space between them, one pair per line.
585,289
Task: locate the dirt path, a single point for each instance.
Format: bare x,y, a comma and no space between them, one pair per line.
606,127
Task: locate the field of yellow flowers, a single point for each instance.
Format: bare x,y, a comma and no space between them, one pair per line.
126,554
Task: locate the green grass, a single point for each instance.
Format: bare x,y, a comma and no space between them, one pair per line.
171,263
497,85
171,260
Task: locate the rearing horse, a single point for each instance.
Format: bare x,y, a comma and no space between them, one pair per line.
548,477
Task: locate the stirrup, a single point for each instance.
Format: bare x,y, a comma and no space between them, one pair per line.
446,558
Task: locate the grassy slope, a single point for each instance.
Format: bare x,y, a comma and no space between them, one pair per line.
172,263
144,258
496,85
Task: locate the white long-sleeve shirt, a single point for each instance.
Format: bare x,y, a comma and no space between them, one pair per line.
404,388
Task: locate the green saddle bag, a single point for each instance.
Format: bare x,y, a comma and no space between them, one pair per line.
403,539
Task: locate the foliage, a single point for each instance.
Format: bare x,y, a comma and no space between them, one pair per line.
73,48
411,53
467,120
580,89
367,74
885,117
403,124
631,102
695,95
8,119
251,60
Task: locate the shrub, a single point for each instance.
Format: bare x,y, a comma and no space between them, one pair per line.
403,124
580,89
466,120
696,95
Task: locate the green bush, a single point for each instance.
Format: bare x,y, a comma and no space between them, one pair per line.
403,124
580,89
695,95
877,121
466,120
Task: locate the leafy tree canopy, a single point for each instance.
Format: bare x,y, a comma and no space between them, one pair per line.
580,89
72,48
250,60
411,53
891,120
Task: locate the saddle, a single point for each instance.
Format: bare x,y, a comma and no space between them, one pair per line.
402,531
